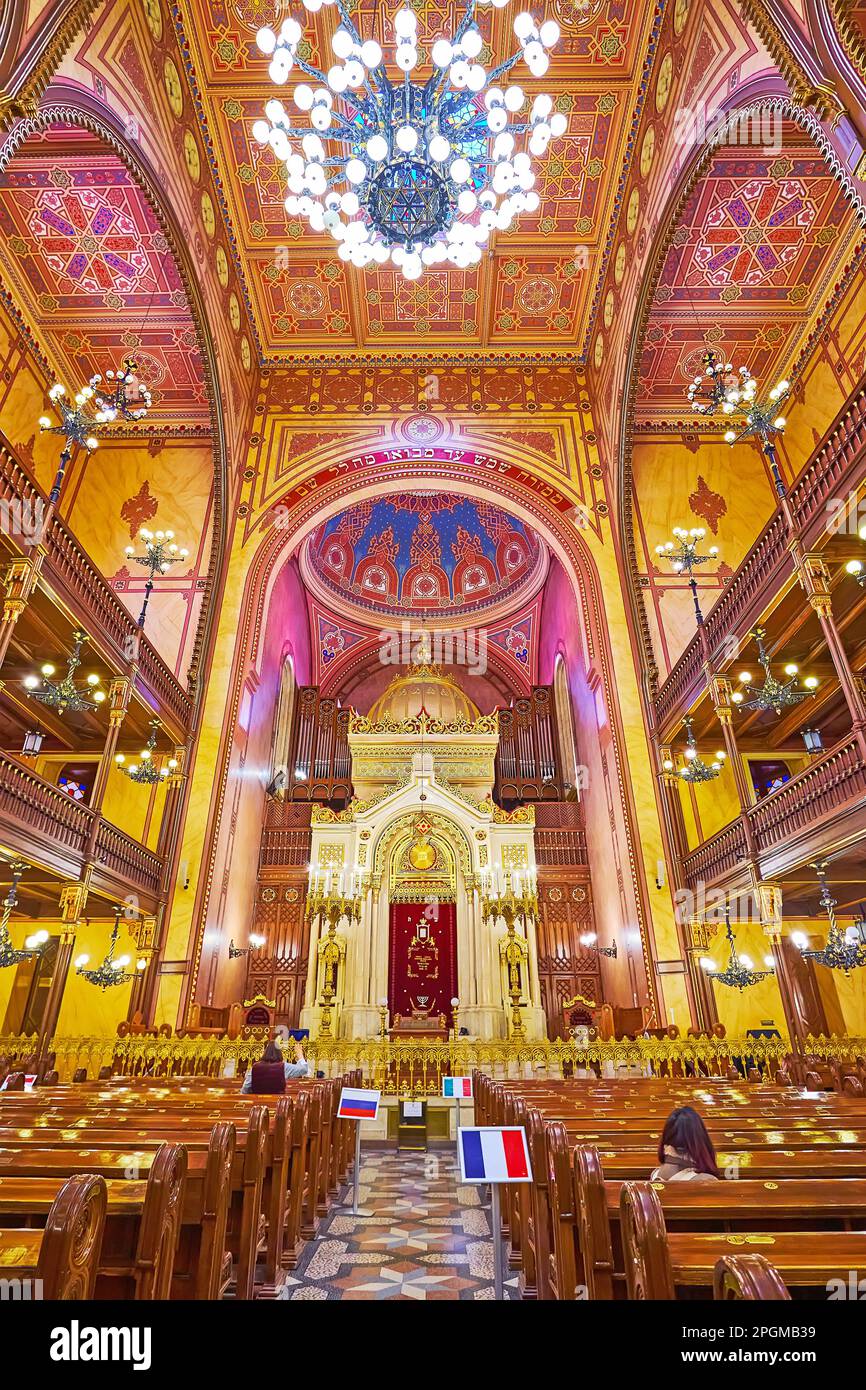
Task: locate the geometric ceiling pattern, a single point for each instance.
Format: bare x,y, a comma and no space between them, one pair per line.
759,249
425,554
89,267
535,290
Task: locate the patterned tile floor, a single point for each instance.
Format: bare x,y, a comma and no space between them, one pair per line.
418,1234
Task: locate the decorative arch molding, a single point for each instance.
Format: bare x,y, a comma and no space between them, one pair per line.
21,91
331,489
79,109
397,831
691,175
806,88
362,658
845,52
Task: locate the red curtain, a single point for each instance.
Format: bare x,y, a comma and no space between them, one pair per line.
423,959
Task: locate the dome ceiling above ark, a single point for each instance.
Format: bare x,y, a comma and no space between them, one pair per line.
429,555
534,290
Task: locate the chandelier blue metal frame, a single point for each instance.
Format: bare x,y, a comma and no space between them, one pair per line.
416,172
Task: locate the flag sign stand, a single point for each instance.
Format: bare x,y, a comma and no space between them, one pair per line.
457,1088
495,1155
357,1105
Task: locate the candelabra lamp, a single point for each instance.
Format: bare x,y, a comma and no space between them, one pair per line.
455,1009
255,940
685,558
160,553
383,1020
110,972
724,389
694,768
845,951
9,955
329,902
120,393
514,898
740,972
66,693
146,772
774,694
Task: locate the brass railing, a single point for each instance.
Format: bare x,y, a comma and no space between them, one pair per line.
416,1068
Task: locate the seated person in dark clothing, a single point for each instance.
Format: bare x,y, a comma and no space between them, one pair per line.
268,1077
686,1151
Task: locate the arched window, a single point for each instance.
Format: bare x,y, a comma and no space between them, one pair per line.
565,726
283,724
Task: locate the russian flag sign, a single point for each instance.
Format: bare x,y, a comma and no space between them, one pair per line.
358,1105
457,1087
492,1154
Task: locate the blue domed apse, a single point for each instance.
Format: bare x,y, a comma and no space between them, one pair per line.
428,553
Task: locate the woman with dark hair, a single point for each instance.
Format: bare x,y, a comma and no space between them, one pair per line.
268,1077
686,1150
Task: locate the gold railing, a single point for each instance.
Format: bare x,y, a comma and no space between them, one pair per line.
416,1068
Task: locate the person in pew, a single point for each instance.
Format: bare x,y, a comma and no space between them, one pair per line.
268,1077
686,1150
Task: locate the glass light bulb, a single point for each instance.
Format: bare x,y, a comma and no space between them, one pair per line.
441,53
407,139
266,41
371,53
439,148
377,148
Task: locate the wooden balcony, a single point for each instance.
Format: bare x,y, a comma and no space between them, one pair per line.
70,577
42,823
837,467
820,808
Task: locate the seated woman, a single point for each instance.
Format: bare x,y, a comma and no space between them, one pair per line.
269,1076
686,1150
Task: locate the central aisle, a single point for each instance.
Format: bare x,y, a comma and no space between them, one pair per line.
418,1234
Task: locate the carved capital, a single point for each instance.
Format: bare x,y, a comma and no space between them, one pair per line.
73,900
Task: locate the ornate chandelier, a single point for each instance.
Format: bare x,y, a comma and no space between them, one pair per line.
684,557
739,973
9,955
121,393
160,553
773,694
146,771
111,971
843,951
694,769
729,390
415,172
65,694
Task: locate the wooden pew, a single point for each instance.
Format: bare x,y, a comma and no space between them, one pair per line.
142,1226
658,1264
590,1250
64,1255
748,1276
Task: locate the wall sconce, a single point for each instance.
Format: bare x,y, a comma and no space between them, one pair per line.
255,943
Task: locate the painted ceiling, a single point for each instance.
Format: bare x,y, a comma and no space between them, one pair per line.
425,554
84,260
759,252
533,291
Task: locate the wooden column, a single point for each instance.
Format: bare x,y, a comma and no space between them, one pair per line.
118,695
701,935
815,579
19,578
677,843
143,994
73,899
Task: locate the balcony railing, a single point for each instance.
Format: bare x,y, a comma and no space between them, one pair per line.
837,466
69,573
798,811
43,823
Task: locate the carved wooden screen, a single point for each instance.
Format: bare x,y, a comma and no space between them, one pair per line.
565,966
278,972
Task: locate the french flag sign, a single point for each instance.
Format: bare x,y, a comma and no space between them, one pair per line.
457,1087
358,1105
494,1155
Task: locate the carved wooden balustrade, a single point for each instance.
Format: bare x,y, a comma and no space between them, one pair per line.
838,466
69,574
798,818
43,823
